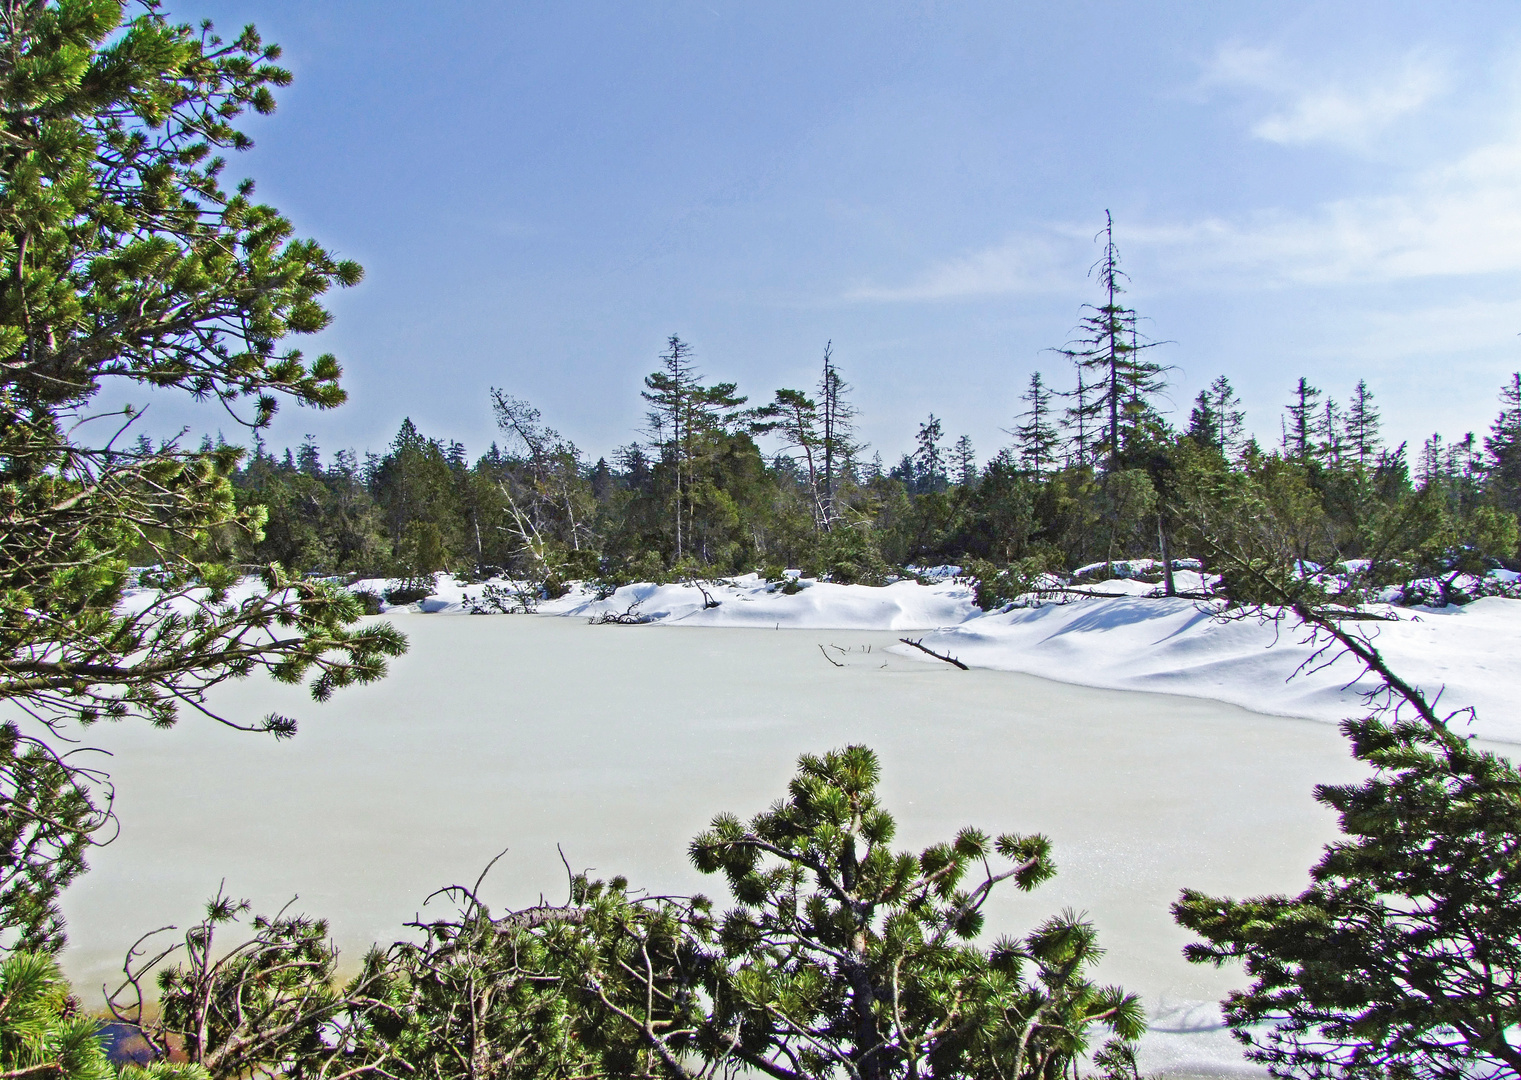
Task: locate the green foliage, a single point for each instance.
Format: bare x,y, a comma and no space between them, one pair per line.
125,261
849,555
1401,959
43,1031
841,957
844,956
48,820
994,586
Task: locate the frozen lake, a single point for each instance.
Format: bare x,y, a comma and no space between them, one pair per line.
620,743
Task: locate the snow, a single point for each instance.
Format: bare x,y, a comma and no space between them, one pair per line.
1123,636
748,600
1175,646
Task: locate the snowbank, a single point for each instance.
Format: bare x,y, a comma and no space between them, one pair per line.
1175,646
1125,637
743,601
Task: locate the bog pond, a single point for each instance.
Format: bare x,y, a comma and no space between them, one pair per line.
618,743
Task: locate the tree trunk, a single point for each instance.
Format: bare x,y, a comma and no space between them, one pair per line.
1169,588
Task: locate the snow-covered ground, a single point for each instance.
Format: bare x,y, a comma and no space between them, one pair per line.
1467,654
1120,636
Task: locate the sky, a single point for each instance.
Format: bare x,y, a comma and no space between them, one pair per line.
542,193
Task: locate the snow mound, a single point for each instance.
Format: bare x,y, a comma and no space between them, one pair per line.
1176,646
748,600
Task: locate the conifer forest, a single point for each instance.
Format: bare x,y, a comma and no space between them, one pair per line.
1253,579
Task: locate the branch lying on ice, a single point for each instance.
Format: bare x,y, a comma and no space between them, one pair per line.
938,656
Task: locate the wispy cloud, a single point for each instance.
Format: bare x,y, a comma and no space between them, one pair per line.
1022,264
1449,220
1455,219
1309,107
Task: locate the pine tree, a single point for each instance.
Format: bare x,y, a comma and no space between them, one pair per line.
1502,446
965,462
1110,347
1303,422
1037,438
1361,427
130,268
928,459
839,445
684,411
796,418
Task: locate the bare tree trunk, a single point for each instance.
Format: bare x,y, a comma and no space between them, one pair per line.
1168,588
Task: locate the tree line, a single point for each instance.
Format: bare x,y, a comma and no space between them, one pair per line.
719,486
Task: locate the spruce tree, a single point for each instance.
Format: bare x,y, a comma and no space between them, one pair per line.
1502,447
1303,423
928,458
1361,426
1331,433
1109,347
1036,438
837,416
1204,422
683,413
1230,418
964,460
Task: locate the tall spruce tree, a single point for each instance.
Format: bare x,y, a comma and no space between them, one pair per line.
1302,423
1360,431
928,457
837,419
964,461
1109,347
1502,448
1036,439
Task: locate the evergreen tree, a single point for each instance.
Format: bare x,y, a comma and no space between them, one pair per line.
309,458
1037,438
964,461
43,1031
128,265
1403,957
1362,423
796,418
1204,422
837,416
1109,346
1303,423
929,460
1330,434
1429,471
684,413
1078,418
1230,418
1502,447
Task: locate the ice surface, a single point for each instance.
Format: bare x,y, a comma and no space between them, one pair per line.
621,742
1128,638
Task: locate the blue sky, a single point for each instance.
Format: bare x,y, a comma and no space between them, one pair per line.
542,193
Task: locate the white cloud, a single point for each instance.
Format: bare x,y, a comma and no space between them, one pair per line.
1020,265
1313,109
1456,219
